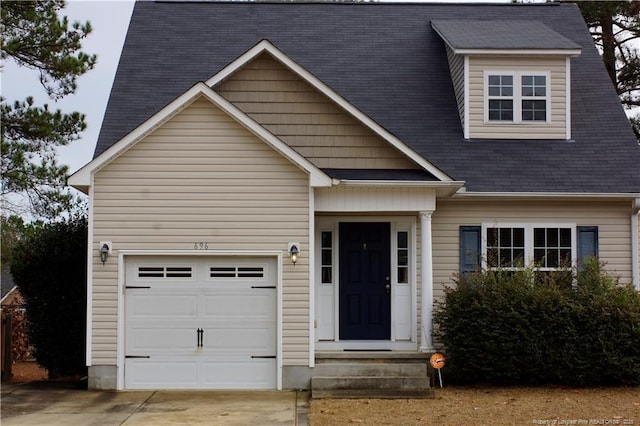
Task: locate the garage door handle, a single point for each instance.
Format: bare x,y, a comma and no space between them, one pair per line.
200,337
263,356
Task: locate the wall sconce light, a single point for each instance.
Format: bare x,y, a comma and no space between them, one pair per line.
105,250
294,252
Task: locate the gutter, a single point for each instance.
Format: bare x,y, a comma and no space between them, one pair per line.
539,195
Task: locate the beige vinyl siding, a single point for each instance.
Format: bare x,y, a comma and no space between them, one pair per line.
456,67
612,219
201,177
306,119
555,129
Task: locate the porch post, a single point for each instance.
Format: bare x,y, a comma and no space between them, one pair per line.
426,282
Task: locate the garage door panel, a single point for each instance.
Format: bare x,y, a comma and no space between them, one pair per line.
160,374
237,316
150,304
243,303
161,338
256,341
228,373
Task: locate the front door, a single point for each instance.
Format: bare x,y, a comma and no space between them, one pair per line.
365,291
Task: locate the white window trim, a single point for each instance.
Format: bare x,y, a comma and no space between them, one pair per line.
528,241
517,96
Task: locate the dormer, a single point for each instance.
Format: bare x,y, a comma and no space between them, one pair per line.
512,79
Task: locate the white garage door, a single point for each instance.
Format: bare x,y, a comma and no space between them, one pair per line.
200,323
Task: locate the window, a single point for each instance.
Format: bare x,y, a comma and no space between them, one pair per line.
546,247
403,257
165,272
236,272
516,97
326,247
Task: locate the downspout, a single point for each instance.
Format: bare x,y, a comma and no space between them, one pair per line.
635,250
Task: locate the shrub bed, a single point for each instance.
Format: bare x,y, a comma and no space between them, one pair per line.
575,328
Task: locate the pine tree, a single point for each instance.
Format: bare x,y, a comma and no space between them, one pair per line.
35,37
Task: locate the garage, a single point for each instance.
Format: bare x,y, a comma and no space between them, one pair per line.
200,322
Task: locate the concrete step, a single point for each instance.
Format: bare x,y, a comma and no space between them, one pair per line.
372,394
372,356
374,369
372,383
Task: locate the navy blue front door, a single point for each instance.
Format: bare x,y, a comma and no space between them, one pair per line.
365,296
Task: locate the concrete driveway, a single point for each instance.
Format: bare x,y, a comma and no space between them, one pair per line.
50,403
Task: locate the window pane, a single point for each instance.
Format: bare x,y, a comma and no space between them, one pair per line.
326,274
492,237
518,237
527,80
326,257
538,255
534,110
505,257
539,237
552,258
552,237
505,237
565,256
403,275
403,257
326,239
540,80
501,110
492,257
403,238
518,257
500,85
565,237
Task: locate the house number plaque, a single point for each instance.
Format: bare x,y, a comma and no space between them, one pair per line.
202,245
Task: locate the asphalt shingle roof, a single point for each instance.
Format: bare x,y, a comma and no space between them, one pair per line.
504,34
387,61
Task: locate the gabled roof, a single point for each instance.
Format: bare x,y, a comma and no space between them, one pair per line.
82,179
386,61
470,34
265,46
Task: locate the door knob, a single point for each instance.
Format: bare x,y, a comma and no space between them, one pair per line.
387,288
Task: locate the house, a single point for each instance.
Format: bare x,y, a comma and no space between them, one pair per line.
10,294
275,184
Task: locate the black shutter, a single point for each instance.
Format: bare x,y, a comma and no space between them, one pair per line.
587,242
470,238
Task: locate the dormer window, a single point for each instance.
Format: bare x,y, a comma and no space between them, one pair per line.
511,78
516,97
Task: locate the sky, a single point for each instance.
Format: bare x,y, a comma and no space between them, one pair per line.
109,20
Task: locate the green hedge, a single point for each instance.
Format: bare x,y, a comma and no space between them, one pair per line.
570,327
49,267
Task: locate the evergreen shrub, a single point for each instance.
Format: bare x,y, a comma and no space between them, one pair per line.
568,327
49,267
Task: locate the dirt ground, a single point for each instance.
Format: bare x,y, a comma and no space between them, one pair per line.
488,406
27,371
